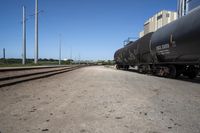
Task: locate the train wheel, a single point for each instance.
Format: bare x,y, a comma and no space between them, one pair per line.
192,72
179,70
192,75
144,69
140,69
127,67
117,66
172,71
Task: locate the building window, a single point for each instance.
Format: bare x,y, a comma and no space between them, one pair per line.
159,17
146,24
167,15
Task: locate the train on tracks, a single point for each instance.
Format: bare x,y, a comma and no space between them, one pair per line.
170,51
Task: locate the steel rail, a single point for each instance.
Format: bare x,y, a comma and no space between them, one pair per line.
5,69
11,80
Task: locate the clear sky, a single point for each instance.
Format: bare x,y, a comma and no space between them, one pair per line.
93,29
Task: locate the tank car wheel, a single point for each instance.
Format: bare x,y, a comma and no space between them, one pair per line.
116,67
126,67
140,70
192,75
172,71
144,69
192,72
179,70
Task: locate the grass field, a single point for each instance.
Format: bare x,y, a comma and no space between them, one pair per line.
29,62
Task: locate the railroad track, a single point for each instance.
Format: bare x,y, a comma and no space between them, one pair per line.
18,75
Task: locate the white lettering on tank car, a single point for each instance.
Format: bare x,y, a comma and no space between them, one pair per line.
163,52
162,47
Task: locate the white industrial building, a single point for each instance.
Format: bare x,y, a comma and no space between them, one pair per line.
157,21
186,6
164,17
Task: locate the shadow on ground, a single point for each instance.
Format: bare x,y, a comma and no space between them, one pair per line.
182,78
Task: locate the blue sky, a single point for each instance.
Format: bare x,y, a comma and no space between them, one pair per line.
93,29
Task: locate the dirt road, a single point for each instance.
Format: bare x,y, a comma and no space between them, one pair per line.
101,100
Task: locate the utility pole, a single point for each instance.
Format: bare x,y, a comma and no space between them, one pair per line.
71,55
79,58
36,32
4,53
59,49
24,37
70,52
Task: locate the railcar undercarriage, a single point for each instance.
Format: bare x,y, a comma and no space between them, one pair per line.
172,71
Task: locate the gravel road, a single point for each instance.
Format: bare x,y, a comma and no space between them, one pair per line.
101,100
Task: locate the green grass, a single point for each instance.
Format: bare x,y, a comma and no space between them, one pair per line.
30,62
43,62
